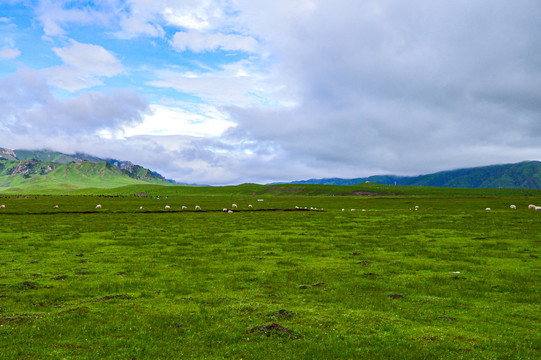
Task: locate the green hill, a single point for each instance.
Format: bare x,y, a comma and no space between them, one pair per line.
21,175
525,175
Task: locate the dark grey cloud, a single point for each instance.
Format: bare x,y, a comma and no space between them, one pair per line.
404,87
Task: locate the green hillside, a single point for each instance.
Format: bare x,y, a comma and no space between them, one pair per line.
42,176
525,175
135,171
255,191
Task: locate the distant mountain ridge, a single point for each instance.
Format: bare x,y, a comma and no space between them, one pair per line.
24,168
526,175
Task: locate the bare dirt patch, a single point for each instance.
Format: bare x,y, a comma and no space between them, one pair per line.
109,297
396,296
79,310
17,318
30,285
274,330
364,263
281,314
366,193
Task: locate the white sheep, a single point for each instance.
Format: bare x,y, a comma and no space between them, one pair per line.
224,210
487,209
352,209
416,207
531,206
514,207
343,210
538,208
230,211
2,206
55,207
184,207
250,206
98,206
197,207
141,208
167,207
234,205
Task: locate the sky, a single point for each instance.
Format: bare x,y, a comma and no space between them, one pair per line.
232,91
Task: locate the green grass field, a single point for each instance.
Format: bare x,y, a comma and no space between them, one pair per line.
449,281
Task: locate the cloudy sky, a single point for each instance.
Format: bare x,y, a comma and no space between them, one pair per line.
232,91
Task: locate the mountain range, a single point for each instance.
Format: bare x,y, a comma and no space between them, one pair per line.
44,169
24,169
526,175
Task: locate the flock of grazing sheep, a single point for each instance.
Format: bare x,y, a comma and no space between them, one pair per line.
234,206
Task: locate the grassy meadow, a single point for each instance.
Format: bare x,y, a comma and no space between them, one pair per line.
447,281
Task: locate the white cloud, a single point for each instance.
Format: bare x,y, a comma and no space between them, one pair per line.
136,26
93,59
194,14
71,79
29,108
195,41
148,18
56,15
201,121
9,53
238,83
8,47
83,65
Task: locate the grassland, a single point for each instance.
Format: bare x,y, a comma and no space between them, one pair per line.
449,281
